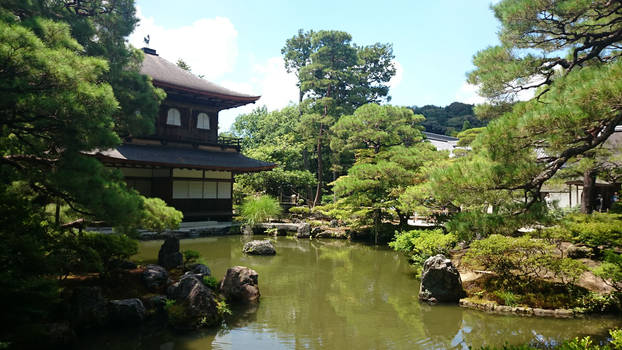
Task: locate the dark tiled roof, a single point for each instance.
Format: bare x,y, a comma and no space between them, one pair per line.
439,137
169,156
168,75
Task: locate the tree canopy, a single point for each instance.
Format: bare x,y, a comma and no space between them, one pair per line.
335,77
70,86
566,51
448,120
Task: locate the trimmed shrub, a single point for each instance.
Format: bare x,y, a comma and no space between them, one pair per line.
514,258
419,245
610,271
191,256
158,217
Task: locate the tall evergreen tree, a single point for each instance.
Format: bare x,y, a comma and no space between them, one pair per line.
335,77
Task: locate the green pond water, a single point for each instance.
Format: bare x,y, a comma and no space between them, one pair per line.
329,294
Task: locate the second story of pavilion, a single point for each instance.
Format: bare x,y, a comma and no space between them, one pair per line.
189,114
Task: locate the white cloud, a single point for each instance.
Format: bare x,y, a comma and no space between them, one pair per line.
467,93
399,73
196,43
271,81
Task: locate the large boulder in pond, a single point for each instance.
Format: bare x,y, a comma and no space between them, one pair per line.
155,277
169,255
198,301
440,281
240,284
257,247
126,312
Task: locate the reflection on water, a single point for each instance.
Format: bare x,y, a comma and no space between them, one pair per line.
340,295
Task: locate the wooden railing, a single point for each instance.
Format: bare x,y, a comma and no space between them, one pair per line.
229,141
195,136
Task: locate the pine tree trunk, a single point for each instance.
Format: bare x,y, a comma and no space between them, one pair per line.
318,190
305,161
589,180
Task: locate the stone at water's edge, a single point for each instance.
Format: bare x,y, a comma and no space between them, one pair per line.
200,269
246,230
87,308
440,281
259,248
127,312
169,255
155,277
240,284
199,301
303,231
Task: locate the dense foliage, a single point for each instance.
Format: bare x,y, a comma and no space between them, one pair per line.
419,245
274,137
52,58
514,259
330,87
448,120
70,86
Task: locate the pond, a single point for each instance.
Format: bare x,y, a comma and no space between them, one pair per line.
330,294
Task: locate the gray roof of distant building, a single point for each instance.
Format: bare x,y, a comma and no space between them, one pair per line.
439,137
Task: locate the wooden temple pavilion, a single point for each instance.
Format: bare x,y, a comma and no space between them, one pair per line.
185,162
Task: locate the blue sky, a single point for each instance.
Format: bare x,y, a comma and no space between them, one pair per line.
238,43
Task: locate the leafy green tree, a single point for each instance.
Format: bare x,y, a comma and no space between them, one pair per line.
564,50
465,137
390,154
70,86
336,77
101,27
272,137
25,294
375,127
54,108
442,120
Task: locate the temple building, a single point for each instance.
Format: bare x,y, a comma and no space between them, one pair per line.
185,162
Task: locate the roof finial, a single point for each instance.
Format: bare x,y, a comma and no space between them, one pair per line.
147,39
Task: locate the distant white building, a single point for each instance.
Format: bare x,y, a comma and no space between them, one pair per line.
442,142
